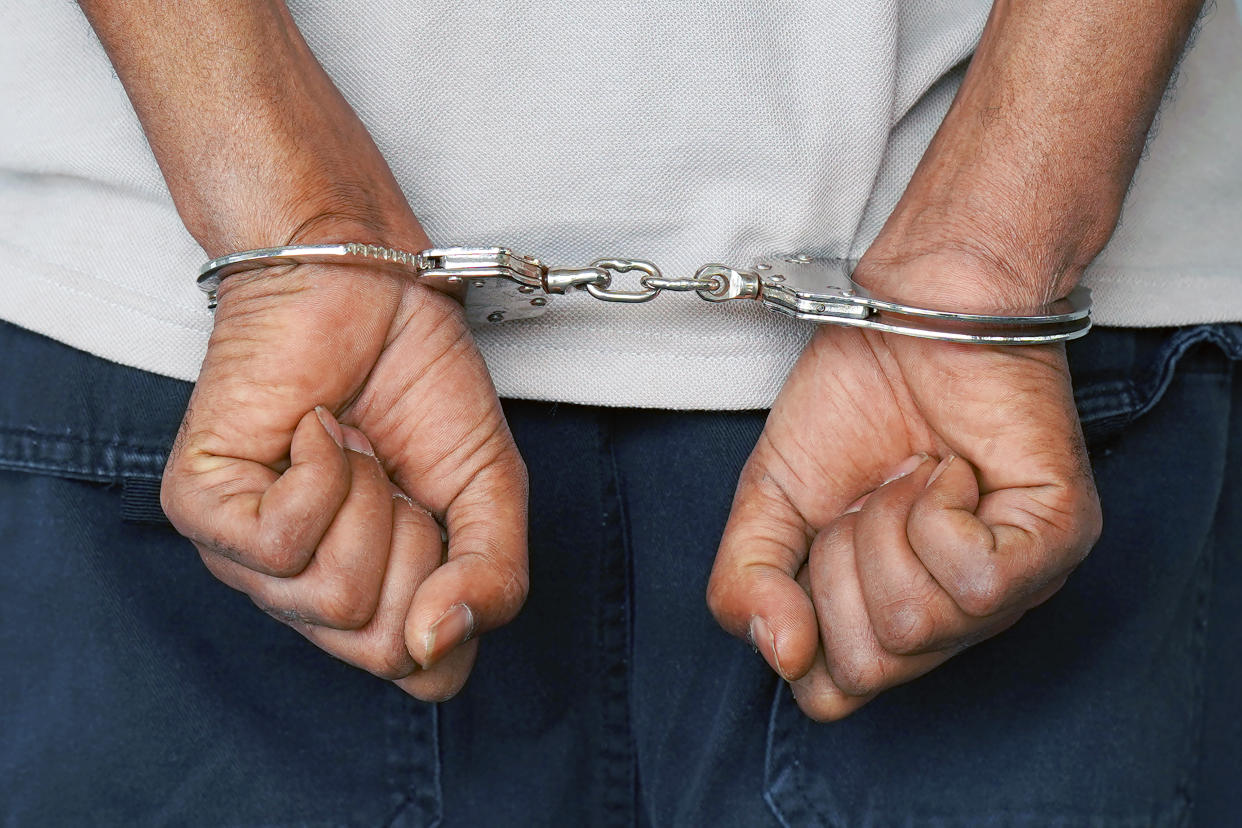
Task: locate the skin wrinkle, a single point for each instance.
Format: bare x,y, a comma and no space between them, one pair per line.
455,457
999,191
258,147
1018,191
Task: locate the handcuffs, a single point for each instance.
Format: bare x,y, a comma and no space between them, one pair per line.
495,285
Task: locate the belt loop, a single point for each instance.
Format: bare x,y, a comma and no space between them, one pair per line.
140,501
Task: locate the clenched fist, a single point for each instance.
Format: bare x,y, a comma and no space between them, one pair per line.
342,427
906,499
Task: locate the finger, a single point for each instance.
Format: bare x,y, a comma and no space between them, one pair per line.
484,581
819,698
446,677
245,511
752,591
909,611
379,647
855,659
992,555
340,588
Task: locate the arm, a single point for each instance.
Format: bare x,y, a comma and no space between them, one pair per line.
341,412
1026,176
909,498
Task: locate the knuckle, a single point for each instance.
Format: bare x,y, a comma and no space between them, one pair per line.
856,673
982,593
904,627
344,607
280,552
389,660
839,532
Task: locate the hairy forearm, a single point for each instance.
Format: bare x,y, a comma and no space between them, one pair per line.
254,140
1030,167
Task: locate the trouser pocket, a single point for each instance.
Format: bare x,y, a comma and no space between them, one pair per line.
138,689
1088,711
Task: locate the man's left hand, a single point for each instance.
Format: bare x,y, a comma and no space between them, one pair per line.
906,499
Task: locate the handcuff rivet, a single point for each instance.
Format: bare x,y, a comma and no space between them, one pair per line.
526,289
479,283
776,277
538,301
763,266
495,316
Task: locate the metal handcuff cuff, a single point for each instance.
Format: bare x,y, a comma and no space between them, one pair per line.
495,285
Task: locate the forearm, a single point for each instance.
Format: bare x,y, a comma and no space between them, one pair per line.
257,145
1028,172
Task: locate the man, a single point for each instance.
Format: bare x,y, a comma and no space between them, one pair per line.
906,499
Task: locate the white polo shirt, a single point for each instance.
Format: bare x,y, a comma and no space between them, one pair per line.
681,133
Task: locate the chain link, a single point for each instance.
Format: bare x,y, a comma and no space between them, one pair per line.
597,281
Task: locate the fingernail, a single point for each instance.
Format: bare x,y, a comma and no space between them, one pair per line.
905,467
355,440
330,425
452,629
939,470
763,640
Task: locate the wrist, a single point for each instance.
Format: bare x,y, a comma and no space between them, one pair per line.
360,280
325,188
257,145
973,236
962,275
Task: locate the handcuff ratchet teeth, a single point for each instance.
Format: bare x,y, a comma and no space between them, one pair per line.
496,285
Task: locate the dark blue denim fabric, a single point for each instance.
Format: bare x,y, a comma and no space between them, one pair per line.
137,690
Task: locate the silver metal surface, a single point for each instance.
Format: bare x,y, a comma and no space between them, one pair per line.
610,266
217,270
561,279
481,262
730,283
822,291
694,283
498,285
499,299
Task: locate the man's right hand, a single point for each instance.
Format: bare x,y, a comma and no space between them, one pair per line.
342,416
341,412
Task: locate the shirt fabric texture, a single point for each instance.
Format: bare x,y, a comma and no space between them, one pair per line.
678,133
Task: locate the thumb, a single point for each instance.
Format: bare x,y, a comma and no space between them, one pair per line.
752,592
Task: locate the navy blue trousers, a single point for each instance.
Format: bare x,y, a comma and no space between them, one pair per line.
137,690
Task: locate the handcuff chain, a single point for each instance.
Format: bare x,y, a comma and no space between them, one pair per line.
651,284
797,286
596,279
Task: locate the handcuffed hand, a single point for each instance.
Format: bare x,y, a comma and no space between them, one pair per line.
907,498
342,417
